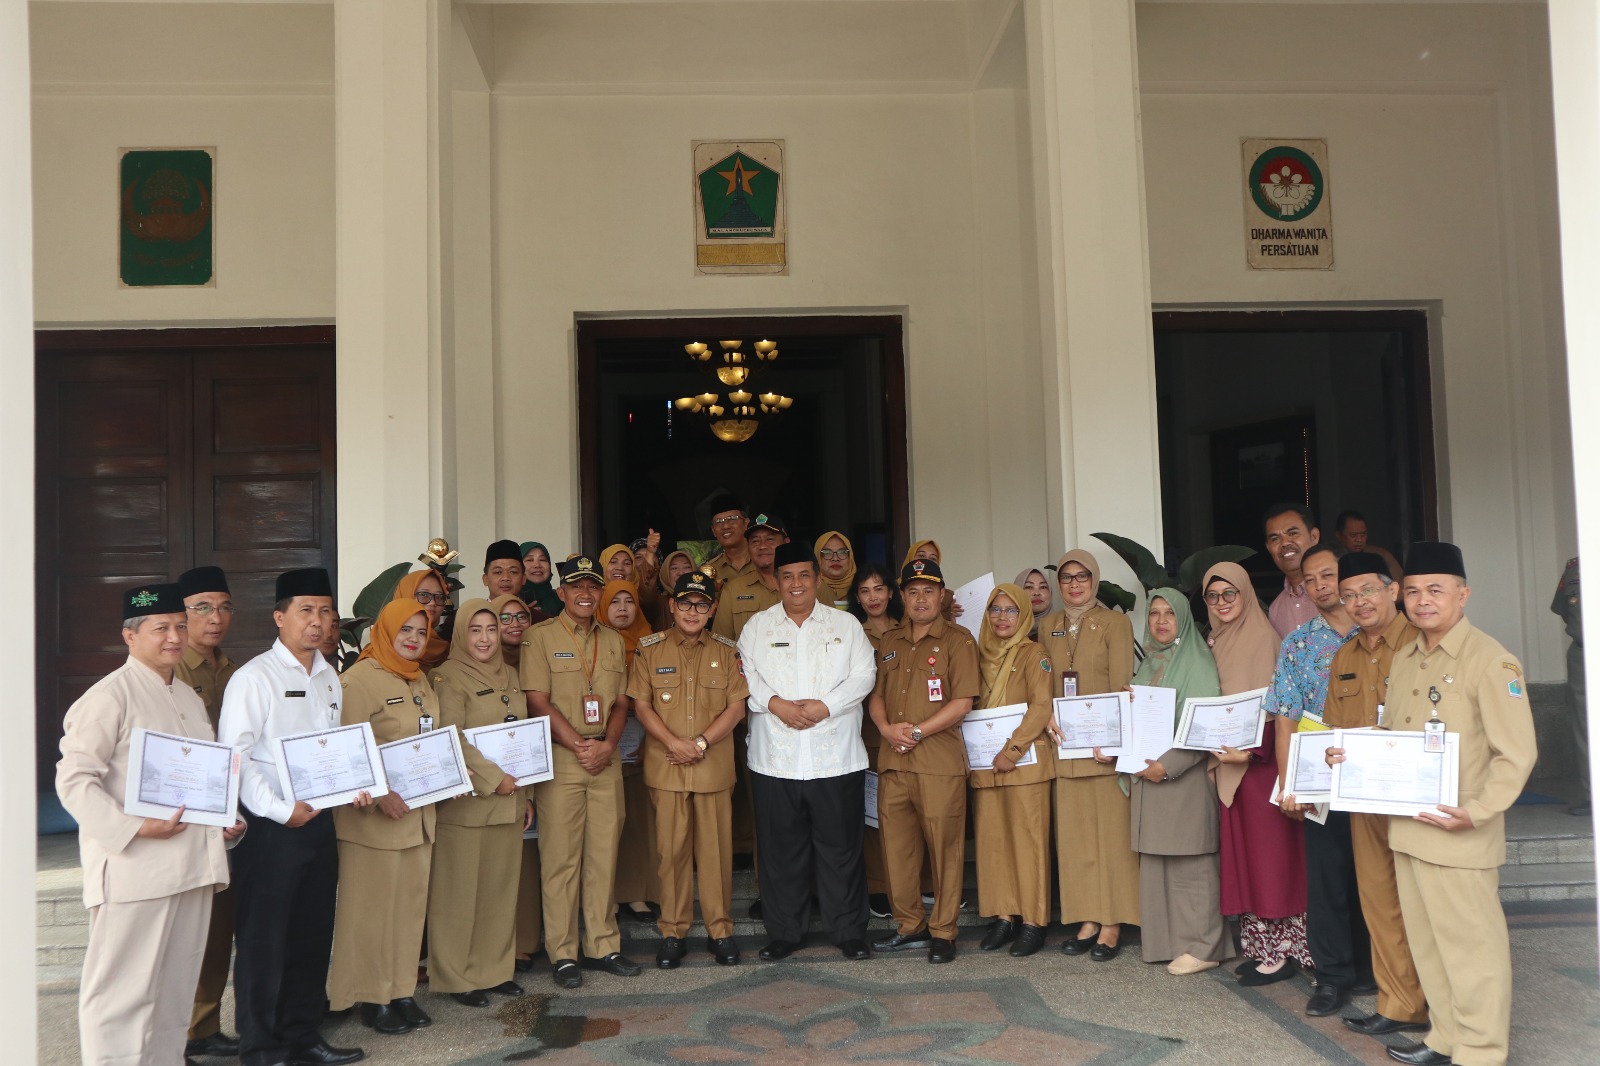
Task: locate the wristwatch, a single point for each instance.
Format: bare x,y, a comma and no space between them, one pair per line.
916,734
700,742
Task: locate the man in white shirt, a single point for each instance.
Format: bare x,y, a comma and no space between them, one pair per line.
286,871
809,667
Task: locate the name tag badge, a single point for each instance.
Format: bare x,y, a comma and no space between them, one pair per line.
1069,683
290,694
591,710
1433,736
425,723
485,691
392,700
935,690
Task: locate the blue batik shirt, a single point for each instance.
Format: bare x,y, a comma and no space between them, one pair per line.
1305,662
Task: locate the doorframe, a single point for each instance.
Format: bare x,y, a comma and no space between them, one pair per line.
889,329
1412,323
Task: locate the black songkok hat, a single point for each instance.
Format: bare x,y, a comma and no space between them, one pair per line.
723,502
695,582
152,599
1357,563
578,569
793,553
921,570
502,549
312,581
203,579
1435,557
767,521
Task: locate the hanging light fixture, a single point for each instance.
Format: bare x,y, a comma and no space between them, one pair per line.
744,412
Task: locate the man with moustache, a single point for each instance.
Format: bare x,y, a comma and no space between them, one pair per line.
729,520
502,569
574,673
1350,530
755,588
1290,530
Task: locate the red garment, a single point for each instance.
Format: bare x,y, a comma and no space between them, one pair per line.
1263,852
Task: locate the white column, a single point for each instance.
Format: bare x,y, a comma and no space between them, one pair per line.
1575,74
1103,471
392,113
18,822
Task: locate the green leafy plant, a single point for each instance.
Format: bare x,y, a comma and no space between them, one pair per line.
1152,575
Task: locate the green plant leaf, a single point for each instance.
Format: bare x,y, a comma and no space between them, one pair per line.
1151,574
1193,569
1115,596
379,591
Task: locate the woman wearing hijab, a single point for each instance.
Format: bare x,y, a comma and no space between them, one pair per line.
1011,803
637,881
427,587
1263,853
472,902
1036,586
836,569
385,848
1173,811
515,618
538,592
675,565
874,599
1091,648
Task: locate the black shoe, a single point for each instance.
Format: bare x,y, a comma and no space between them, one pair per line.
1326,1000
219,1045
855,949
903,941
1378,1025
1255,978
878,905
320,1054
383,1018
1001,932
1247,966
625,912
780,949
475,998
1030,940
506,988
724,949
1367,987
755,909
414,1015
1418,1055
615,963
1081,945
524,965
567,975
1104,952
941,950
670,953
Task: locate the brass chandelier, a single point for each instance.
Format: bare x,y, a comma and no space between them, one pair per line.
744,412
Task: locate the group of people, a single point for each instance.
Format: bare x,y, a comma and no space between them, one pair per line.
767,685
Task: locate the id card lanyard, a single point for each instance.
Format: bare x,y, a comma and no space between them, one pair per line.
1433,728
1069,676
591,702
424,720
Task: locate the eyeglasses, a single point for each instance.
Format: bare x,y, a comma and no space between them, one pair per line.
695,606
205,609
429,598
830,554
1225,596
1076,579
1369,593
727,520
519,618
996,611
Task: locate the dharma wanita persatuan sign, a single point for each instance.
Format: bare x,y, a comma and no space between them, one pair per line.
1288,214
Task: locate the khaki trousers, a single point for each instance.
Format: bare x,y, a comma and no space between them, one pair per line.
637,860
206,1019
1399,988
139,978
472,906
923,814
530,901
697,829
1462,950
1099,870
1011,833
377,923
580,825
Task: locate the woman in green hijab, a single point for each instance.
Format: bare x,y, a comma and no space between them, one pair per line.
1174,807
538,592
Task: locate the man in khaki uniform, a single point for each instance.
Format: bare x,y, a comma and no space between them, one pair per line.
206,668
573,672
755,588
729,520
689,693
1447,864
927,681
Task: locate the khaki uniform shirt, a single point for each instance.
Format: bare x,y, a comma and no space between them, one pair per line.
906,669
466,703
1358,679
207,681
565,663
726,571
394,707
688,683
1032,682
743,597
1101,651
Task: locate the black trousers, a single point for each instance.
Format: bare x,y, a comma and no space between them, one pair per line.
286,880
1336,932
806,828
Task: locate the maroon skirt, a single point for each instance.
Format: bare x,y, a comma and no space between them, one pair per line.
1263,852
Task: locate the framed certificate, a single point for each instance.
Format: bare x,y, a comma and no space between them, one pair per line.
166,772
426,768
629,743
1088,722
872,799
1211,724
1310,776
985,733
520,748
330,767
1392,773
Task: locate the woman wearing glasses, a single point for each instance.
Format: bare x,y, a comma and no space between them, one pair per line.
1011,798
427,588
836,569
1091,648
515,618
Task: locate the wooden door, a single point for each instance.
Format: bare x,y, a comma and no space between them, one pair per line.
163,450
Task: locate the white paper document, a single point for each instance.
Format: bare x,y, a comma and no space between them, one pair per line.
1213,723
330,767
1318,812
1102,721
972,598
629,743
1151,708
1391,773
427,768
985,733
872,799
520,748
1310,776
166,772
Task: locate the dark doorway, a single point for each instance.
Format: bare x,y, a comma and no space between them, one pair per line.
1328,409
835,460
159,450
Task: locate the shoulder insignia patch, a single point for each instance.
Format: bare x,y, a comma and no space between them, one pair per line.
1512,667
653,638
1514,688
1044,664
725,640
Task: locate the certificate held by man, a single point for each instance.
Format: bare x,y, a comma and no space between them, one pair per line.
1310,778
1087,722
330,767
1151,710
1383,772
520,748
426,768
1218,722
985,733
166,772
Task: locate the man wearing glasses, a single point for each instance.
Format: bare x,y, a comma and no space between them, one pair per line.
729,520
206,668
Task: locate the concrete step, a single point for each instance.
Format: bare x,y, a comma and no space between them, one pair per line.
62,945
1545,850
1547,881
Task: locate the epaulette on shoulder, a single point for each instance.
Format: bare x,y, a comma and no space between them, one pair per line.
725,640
653,638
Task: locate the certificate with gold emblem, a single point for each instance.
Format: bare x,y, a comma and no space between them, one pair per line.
426,768
1393,773
985,733
166,772
330,767
1087,722
1219,722
520,748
